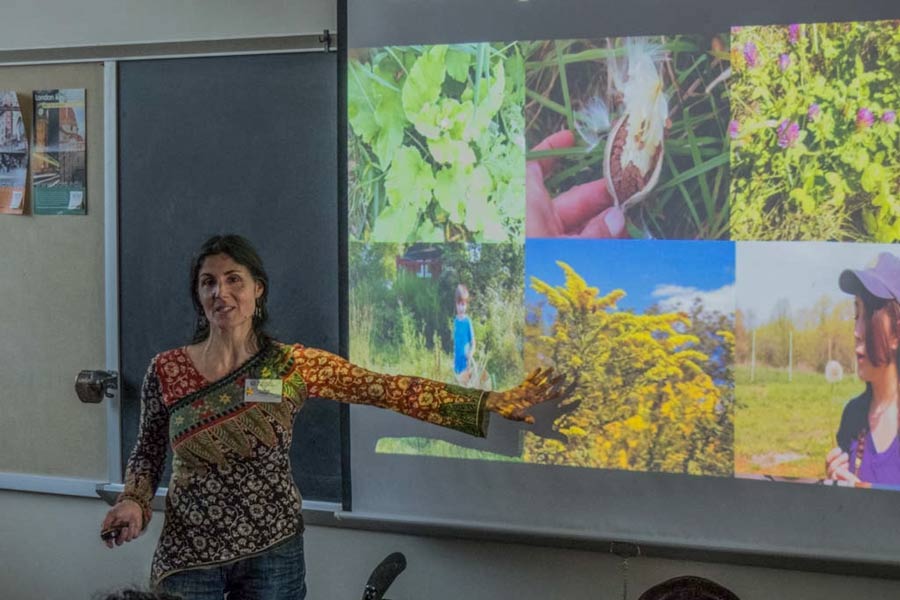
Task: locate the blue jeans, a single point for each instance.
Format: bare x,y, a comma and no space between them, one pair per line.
279,573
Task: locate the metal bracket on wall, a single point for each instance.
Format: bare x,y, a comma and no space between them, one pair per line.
327,40
624,550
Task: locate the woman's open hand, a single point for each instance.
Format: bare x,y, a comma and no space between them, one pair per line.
540,386
127,517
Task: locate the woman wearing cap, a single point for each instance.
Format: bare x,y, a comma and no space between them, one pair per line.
868,449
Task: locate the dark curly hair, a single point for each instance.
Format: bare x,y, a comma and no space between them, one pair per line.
878,340
241,251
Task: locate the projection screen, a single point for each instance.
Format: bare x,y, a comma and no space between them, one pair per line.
683,208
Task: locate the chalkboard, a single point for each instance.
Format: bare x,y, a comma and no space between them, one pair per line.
243,144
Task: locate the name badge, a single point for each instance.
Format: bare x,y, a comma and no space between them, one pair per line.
262,390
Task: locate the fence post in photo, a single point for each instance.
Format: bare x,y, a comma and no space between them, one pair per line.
790,356
752,355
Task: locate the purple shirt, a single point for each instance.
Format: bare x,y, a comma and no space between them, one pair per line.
878,467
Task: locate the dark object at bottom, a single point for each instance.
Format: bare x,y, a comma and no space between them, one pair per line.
688,587
383,576
112,533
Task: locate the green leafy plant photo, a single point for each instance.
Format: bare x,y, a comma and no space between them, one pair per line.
436,150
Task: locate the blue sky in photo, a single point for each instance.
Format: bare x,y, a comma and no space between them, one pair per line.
669,273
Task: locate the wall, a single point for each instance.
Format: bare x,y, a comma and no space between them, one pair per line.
49,550
55,23
51,316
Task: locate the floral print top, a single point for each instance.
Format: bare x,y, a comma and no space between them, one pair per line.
232,494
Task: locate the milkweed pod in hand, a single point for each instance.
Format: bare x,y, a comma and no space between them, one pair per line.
633,157
628,183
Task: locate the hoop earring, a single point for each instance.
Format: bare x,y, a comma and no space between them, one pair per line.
258,312
202,323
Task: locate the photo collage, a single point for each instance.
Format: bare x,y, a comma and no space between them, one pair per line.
697,231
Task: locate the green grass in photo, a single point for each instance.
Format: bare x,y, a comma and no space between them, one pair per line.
785,428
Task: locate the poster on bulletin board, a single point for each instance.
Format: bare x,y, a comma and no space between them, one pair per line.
59,172
13,154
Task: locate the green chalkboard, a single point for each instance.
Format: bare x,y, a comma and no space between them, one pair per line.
243,144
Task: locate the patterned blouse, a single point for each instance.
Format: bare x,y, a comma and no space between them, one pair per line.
232,494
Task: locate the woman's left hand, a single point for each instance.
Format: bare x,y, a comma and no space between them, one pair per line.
540,386
837,466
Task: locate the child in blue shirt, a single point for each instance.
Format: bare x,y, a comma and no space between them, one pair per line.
463,336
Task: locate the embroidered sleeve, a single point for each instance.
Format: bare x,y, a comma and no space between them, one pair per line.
147,461
330,376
